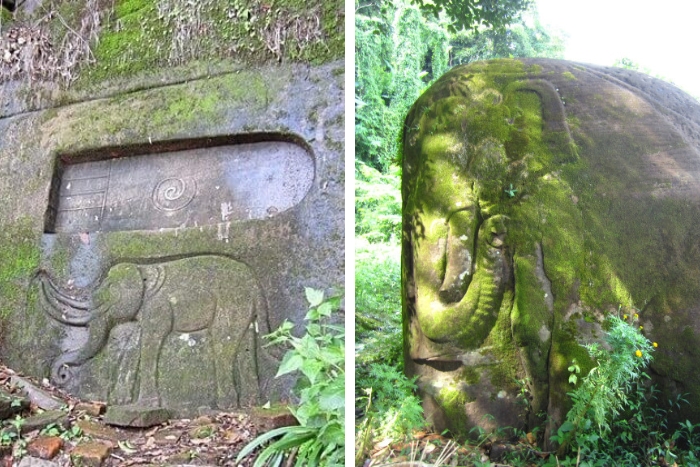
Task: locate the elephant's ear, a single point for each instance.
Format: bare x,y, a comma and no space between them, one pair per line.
102,306
153,277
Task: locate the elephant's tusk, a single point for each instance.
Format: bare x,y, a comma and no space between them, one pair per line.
63,298
59,308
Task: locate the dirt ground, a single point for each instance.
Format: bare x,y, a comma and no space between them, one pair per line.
73,432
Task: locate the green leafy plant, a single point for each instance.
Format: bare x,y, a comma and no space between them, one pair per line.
7,437
51,430
397,409
319,356
604,391
72,433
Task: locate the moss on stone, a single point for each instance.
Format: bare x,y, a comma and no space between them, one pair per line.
18,263
169,112
144,35
453,402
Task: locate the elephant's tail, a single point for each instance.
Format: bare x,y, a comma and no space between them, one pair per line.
60,306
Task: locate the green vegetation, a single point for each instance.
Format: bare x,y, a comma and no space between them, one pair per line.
495,14
616,417
142,34
319,356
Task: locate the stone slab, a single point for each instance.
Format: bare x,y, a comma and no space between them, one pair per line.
194,187
90,454
31,461
94,409
97,430
136,416
42,420
36,395
274,417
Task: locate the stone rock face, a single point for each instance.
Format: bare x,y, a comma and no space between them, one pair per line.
541,195
154,227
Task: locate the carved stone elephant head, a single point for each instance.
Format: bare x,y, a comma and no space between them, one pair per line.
540,196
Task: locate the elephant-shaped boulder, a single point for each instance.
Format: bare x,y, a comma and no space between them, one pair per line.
539,197
209,294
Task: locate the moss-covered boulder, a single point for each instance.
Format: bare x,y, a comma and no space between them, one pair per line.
539,196
172,179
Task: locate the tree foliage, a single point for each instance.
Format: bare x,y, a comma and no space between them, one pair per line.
470,14
377,204
397,54
526,38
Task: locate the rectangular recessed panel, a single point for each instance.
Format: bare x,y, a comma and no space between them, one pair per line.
186,188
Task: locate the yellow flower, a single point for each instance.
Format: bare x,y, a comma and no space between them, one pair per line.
655,344
638,353
641,328
636,316
624,317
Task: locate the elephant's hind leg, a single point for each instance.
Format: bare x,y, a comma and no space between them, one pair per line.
234,349
155,327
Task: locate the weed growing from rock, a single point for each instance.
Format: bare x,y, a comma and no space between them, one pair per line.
605,391
319,356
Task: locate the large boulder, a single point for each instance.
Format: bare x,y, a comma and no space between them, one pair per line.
172,178
540,196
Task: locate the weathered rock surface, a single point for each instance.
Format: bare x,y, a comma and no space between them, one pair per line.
45,447
541,195
31,461
166,210
136,416
90,453
42,420
36,395
274,417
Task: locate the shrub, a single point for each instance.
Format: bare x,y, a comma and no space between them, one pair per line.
319,356
603,393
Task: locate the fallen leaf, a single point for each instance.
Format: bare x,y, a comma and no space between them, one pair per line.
429,448
126,447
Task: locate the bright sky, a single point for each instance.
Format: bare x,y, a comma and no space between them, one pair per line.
661,36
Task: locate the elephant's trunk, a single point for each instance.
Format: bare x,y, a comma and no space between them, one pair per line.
60,306
61,371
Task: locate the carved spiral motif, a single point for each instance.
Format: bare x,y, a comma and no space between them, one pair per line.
173,194
62,374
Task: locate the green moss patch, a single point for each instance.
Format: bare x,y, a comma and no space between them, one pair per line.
143,35
18,263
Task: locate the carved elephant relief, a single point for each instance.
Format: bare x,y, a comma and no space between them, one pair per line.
209,294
